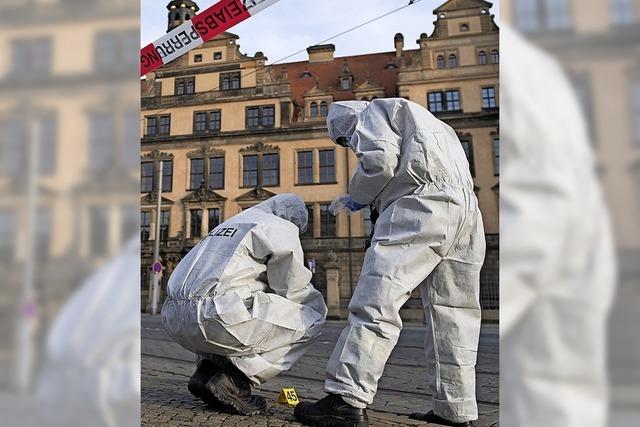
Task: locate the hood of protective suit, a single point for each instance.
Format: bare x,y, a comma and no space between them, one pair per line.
287,206
343,118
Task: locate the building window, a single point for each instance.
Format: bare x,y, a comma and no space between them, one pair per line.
305,167
489,98
268,116
196,223
167,176
262,116
468,152
145,225
229,81
261,170
440,62
164,225
31,57
495,56
444,101
102,148
164,125
146,177
482,57
197,57
308,233
196,175
214,218
216,173
453,61
345,83
327,166
98,218
253,117
464,27
535,15
435,102
324,109
212,178
152,126
250,170
7,235
158,125
495,146
314,109
207,121
43,233
186,86
217,56
327,221
271,172
366,217
453,100
558,15
622,12
200,120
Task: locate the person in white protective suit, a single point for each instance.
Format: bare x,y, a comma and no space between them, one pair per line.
242,301
412,168
557,263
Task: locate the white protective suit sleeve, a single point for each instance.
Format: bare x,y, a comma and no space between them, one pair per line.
280,245
286,272
376,143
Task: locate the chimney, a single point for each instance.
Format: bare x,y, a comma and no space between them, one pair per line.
321,52
399,42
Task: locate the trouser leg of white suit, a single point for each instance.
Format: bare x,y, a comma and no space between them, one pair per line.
261,367
451,301
364,346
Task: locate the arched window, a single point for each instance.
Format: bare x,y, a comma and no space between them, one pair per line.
191,86
187,17
364,98
453,61
440,61
324,109
482,57
495,56
235,81
177,18
314,109
181,88
374,97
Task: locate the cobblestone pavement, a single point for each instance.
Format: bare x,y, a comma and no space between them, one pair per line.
166,368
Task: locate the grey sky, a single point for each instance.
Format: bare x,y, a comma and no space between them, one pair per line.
291,25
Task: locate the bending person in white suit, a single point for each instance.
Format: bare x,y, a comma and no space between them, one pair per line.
243,302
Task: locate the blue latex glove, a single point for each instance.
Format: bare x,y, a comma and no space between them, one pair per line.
354,206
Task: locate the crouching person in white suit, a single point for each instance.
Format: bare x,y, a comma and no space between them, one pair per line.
243,302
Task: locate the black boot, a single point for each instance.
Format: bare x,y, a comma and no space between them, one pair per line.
232,388
331,411
206,369
430,417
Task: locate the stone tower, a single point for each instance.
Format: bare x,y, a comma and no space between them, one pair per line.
180,11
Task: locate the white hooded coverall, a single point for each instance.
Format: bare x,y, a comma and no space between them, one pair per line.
244,292
412,167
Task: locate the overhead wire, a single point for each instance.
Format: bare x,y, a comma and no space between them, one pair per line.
199,94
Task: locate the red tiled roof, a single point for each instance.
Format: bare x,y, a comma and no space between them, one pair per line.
372,67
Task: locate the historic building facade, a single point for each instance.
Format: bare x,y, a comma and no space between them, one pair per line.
231,132
69,157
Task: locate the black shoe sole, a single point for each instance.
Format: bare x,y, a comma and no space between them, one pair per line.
229,399
333,421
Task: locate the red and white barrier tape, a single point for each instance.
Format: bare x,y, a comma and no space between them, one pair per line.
201,28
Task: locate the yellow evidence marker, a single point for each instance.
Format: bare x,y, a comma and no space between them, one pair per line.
288,396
